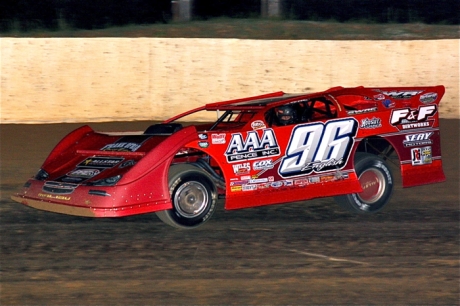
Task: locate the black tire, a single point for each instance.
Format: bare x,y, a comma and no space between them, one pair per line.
377,182
193,196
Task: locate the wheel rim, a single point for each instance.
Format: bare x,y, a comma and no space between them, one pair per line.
191,199
373,184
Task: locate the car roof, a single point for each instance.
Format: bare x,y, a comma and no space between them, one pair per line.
257,102
271,100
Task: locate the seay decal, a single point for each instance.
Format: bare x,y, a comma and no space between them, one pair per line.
420,139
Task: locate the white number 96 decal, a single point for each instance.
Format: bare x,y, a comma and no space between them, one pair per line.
318,147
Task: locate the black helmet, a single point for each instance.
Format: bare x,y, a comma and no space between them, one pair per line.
285,115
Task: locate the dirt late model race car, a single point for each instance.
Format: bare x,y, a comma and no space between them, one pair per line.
262,150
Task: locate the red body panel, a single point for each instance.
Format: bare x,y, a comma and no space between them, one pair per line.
260,161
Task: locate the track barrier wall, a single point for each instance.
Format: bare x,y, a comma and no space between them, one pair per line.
47,80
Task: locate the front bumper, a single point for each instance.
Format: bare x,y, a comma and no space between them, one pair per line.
89,201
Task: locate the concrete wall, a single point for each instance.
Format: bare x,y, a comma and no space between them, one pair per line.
107,79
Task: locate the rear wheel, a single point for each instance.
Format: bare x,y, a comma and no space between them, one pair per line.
377,183
193,196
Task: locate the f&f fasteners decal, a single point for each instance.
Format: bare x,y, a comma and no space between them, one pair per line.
407,118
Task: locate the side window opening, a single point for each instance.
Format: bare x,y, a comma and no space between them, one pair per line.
302,112
233,118
321,108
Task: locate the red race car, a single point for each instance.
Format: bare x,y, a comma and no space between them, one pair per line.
262,150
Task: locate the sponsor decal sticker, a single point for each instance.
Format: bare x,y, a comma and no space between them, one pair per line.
371,123
218,138
318,147
54,197
59,187
203,144
239,183
341,176
242,169
362,111
127,163
258,124
388,103
126,144
277,184
415,140
122,147
379,97
428,97
407,118
421,156
84,173
263,186
249,187
258,180
301,182
253,147
402,94
203,136
327,178
236,188
100,162
263,164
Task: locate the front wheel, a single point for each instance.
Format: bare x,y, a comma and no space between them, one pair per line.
193,196
377,183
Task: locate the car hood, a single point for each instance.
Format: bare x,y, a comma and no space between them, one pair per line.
89,157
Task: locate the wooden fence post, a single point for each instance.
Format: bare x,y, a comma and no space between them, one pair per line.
181,10
270,8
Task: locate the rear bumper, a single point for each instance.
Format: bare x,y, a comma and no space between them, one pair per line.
422,175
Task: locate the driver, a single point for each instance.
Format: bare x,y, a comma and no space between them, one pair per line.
286,115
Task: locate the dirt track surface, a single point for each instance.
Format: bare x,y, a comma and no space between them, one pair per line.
301,253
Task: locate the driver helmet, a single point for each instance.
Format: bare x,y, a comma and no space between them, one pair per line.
285,115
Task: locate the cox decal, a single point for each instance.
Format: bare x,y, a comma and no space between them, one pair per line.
263,164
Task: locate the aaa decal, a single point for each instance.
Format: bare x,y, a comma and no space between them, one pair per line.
253,147
318,147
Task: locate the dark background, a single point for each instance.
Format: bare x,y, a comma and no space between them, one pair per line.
27,15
